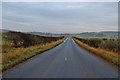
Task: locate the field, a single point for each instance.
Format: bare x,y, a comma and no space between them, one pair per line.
108,49
18,47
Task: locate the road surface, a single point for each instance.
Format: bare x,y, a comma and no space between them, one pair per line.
67,60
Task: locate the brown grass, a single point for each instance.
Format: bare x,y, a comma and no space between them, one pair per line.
105,54
18,55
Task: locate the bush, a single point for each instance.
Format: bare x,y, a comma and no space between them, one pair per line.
24,40
94,42
108,44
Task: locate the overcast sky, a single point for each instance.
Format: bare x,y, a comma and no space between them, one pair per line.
60,17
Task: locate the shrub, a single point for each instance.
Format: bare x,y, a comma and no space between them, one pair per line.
108,44
24,40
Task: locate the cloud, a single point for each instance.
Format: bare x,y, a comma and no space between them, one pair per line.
60,0
58,17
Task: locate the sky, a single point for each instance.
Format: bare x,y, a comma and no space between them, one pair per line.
60,17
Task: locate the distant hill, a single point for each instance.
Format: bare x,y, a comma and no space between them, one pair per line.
35,33
47,34
5,30
40,33
102,34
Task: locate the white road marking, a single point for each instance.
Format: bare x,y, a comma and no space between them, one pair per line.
73,40
65,40
65,59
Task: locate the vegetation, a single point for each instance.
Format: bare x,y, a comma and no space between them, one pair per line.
108,44
18,39
105,48
18,47
102,34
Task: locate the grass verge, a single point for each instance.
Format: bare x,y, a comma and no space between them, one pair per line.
19,55
107,55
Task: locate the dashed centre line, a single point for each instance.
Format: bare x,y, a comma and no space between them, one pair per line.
65,58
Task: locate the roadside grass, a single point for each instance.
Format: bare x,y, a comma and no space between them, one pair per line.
110,56
13,56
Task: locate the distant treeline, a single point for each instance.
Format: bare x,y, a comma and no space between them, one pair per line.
108,44
19,39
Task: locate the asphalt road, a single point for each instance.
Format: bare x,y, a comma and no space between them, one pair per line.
67,60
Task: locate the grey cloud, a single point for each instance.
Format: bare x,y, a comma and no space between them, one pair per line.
60,17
